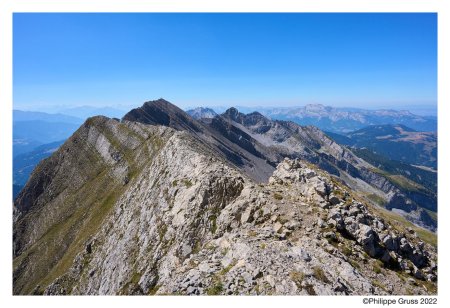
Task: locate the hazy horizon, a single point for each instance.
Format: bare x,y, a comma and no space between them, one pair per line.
422,110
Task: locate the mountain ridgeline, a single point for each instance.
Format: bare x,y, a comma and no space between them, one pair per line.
162,203
345,120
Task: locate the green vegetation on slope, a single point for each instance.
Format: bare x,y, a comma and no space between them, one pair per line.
82,210
422,177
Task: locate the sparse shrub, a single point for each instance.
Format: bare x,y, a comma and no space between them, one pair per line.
216,289
187,183
153,290
355,264
252,233
338,193
192,263
310,289
228,268
297,278
277,196
346,251
376,269
378,284
319,274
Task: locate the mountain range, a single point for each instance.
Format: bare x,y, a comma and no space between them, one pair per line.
85,112
162,203
345,120
32,129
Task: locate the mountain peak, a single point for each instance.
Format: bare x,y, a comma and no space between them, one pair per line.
232,113
162,112
202,113
315,107
159,101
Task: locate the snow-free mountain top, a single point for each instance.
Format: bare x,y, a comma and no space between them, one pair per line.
202,112
344,120
336,119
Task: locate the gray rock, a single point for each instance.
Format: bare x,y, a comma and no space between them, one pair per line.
277,227
418,273
247,216
333,199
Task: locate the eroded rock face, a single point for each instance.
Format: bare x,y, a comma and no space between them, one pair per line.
353,219
195,226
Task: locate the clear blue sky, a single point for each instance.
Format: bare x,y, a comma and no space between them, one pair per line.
360,60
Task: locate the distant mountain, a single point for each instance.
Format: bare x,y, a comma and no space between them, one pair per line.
24,164
201,112
85,112
344,120
32,129
27,135
397,142
21,116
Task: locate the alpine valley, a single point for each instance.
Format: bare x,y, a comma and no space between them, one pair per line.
165,201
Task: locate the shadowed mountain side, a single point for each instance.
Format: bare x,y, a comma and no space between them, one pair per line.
213,133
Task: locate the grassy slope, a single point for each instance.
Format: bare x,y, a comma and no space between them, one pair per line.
91,205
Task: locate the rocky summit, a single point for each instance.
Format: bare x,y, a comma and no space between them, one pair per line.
160,203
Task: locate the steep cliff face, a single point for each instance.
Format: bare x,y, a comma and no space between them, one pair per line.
133,207
70,193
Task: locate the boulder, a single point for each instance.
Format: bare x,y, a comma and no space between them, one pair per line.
333,199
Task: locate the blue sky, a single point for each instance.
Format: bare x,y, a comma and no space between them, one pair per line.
356,60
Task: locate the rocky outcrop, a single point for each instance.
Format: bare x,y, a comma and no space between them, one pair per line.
206,230
353,220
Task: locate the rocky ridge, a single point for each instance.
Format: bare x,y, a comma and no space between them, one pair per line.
253,239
